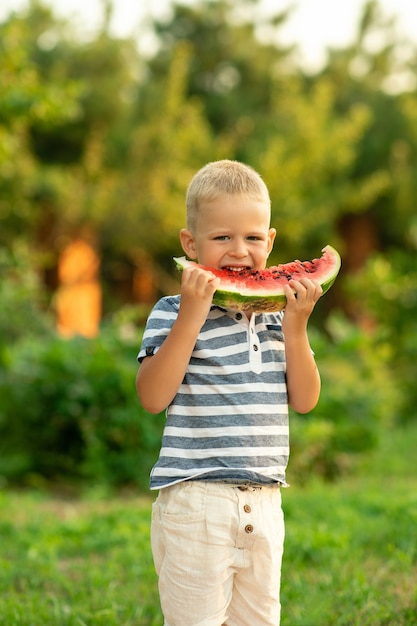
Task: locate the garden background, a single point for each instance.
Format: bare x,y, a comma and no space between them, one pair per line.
98,142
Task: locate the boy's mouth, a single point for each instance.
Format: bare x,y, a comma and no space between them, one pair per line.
236,268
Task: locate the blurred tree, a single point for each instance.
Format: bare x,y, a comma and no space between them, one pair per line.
232,67
23,298
376,70
307,161
64,106
169,140
115,154
28,99
267,113
379,70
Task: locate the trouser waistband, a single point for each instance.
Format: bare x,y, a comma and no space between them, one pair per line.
255,486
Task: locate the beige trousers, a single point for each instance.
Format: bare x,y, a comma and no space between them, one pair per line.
218,550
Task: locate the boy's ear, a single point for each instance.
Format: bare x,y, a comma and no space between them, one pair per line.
271,238
188,243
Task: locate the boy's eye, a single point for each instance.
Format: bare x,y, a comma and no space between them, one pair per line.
248,238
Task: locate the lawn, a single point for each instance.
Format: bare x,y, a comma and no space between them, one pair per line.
350,558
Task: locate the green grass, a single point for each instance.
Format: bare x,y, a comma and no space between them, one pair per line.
76,563
350,557
351,547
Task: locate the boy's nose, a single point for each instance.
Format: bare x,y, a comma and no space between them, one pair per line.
239,249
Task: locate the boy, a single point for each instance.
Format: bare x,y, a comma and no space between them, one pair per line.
226,380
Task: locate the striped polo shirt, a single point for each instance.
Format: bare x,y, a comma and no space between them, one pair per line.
229,419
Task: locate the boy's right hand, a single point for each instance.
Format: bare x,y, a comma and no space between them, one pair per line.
160,376
197,290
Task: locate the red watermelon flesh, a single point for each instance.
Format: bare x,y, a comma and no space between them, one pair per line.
263,290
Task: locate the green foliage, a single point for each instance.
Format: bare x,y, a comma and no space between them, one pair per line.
307,162
26,96
359,397
105,136
388,285
230,70
68,408
28,99
79,418
22,295
164,153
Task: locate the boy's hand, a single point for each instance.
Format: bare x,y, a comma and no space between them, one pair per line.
300,304
160,376
197,290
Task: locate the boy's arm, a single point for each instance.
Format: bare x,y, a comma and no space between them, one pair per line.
160,376
303,378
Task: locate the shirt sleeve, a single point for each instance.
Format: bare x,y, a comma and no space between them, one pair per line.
158,326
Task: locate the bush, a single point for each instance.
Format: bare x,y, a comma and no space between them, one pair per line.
23,299
68,408
388,287
69,411
358,398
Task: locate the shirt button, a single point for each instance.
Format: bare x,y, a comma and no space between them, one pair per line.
249,529
238,316
255,347
247,508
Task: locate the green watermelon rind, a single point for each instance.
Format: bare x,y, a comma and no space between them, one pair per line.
276,302
233,300
264,303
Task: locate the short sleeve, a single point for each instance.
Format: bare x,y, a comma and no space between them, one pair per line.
158,326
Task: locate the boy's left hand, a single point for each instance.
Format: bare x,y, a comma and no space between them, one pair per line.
302,296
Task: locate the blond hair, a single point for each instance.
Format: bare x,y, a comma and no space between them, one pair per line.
222,177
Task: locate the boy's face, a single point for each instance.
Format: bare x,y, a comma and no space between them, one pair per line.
232,231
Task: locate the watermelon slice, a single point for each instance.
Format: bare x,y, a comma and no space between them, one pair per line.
263,290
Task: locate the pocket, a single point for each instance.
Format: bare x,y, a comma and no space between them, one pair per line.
185,504
178,519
